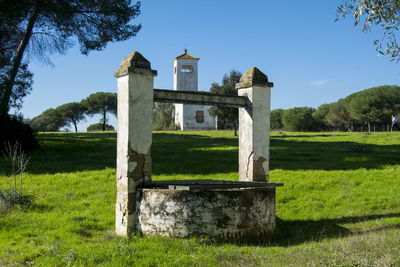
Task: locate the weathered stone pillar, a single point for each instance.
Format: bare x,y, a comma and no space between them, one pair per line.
135,125
254,126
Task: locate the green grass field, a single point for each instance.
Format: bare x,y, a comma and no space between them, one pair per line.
340,205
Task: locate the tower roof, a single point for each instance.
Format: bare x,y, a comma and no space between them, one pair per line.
186,56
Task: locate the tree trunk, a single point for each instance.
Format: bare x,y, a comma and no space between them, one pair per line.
235,132
16,63
76,128
369,127
104,120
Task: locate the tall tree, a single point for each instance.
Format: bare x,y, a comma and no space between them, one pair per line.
50,26
163,116
276,119
339,115
73,113
50,120
228,118
9,38
101,103
320,117
384,13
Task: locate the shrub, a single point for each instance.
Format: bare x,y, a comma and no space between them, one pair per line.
298,119
99,127
14,130
13,195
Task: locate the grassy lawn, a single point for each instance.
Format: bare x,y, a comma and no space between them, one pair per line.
340,205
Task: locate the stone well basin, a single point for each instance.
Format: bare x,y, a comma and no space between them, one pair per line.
215,208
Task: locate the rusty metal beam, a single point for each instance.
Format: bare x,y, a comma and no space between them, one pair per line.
199,98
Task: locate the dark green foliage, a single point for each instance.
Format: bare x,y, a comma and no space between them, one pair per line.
22,85
10,37
163,118
339,115
48,26
369,107
13,129
319,115
276,119
384,13
298,119
99,127
72,113
227,117
374,105
50,120
101,103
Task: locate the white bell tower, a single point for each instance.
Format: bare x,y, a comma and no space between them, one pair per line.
189,117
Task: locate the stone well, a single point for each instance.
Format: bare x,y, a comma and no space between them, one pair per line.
221,209
218,209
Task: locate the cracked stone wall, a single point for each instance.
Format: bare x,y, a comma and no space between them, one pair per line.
216,213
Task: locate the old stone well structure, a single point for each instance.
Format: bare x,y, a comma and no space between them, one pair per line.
219,209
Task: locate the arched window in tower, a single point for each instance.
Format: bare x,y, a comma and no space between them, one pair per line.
186,68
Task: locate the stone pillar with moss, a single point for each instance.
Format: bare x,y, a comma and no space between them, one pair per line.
135,123
254,126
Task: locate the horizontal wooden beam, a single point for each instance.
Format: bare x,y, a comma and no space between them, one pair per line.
199,98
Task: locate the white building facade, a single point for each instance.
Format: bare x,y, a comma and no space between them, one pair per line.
190,117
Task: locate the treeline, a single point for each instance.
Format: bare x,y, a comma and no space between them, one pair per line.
365,109
70,114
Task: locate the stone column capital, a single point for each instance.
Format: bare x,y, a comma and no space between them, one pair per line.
135,63
253,77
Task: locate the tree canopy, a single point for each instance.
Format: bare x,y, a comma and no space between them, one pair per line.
101,103
72,113
50,26
9,37
374,105
298,119
319,116
228,118
383,13
276,119
50,120
339,116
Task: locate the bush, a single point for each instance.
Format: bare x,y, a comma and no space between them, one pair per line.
276,119
99,127
14,195
298,119
13,130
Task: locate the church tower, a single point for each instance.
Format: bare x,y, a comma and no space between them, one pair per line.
189,117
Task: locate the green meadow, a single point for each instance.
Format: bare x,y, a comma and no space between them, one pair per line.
339,206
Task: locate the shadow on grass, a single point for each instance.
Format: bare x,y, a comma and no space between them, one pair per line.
295,232
191,154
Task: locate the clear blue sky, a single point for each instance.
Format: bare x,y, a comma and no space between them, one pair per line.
311,59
